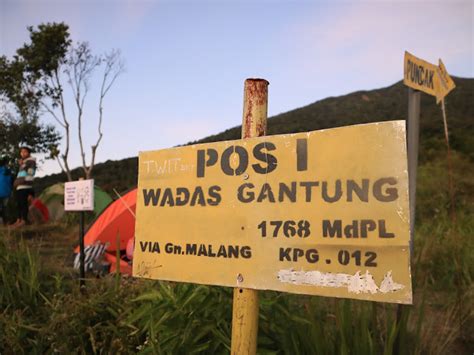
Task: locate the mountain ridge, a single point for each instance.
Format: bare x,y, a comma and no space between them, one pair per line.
362,106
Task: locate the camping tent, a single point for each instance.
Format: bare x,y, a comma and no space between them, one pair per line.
53,198
116,221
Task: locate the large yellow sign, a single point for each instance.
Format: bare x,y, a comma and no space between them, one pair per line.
321,213
429,78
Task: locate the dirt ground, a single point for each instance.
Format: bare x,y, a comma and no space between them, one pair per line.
53,242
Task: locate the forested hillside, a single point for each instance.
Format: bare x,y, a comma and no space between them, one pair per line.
390,103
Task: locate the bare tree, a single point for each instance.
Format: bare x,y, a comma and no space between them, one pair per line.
79,69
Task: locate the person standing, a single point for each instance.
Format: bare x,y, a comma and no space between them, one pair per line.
5,187
24,184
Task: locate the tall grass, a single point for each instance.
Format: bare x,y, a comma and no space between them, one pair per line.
43,311
20,294
19,283
183,319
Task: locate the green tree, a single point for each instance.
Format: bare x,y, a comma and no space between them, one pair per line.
21,77
20,94
13,131
35,81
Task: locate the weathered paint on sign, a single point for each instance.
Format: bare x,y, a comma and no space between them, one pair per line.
429,78
321,213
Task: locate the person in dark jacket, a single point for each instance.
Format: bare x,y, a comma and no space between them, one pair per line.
24,184
6,181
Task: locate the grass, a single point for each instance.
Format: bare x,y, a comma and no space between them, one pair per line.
42,310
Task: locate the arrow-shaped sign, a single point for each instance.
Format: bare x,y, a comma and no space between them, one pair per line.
429,78
447,84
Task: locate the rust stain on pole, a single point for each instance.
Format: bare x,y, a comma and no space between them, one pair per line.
255,108
245,305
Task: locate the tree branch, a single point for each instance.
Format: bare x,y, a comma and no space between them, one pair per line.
66,124
113,66
60,164
52,113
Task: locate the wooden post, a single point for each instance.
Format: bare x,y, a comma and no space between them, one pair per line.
245,305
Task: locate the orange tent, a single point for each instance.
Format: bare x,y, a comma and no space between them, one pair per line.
118,219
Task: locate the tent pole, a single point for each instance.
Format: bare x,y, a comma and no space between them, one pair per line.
125,204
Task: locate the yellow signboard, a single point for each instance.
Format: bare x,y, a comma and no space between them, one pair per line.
320,213
429,78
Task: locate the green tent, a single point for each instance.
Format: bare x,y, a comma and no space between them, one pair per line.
53,198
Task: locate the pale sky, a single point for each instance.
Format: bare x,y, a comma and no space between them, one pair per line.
186,61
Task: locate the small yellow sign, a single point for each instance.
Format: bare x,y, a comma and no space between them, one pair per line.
320,213
429,78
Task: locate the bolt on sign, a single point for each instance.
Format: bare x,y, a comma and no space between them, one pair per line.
320,213
429,78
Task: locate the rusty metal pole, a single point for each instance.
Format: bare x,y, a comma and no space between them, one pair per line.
245,305
413,134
